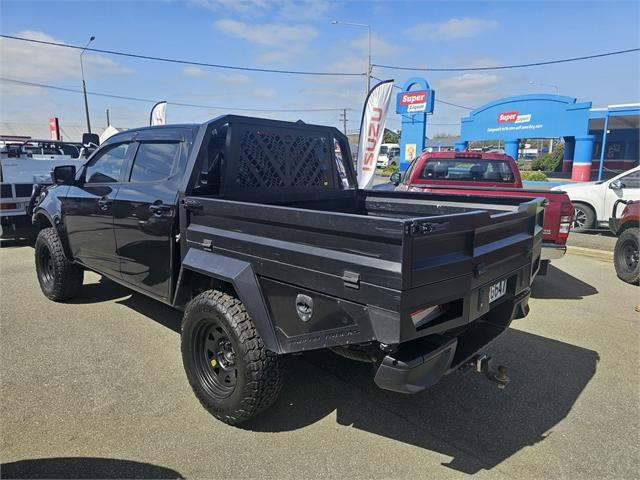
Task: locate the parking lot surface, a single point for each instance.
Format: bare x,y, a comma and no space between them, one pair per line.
95,388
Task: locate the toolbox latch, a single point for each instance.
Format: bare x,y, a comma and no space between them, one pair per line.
351,279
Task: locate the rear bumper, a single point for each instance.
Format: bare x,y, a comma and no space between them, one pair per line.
421,363
551,251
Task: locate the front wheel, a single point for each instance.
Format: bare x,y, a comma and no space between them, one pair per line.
59,279
625,256
584,218
231,372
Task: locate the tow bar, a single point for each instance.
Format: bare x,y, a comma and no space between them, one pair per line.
481,363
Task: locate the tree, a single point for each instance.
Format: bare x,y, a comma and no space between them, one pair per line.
390,136
549,162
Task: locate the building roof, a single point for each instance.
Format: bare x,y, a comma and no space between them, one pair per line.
69,133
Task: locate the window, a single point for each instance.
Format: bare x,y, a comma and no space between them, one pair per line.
632,180
341,168
154,161
465,170
106,167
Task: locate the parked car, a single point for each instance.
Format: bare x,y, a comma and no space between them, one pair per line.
247,225
388,155
491,174
626,228
594,201
23,164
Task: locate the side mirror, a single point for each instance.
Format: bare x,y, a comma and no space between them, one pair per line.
64,174
395,178
89,139
616,185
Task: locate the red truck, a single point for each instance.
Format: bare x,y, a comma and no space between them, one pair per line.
627,229
491,174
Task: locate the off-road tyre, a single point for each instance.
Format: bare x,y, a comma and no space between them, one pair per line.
230,370
625,256
584,218
59,278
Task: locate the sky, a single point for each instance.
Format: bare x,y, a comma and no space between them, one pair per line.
288,34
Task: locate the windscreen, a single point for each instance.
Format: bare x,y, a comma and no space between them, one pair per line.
467,170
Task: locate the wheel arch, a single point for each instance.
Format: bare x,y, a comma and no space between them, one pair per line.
202,271
42,219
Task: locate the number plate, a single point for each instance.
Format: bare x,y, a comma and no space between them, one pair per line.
497,290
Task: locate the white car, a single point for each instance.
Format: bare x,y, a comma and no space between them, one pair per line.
594,201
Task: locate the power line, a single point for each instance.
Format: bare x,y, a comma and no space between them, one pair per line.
504,67
182,62
178,104
437,100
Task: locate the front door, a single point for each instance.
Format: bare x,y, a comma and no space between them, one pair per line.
88,210
145,211
630,190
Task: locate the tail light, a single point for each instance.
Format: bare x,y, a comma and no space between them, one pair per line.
8,206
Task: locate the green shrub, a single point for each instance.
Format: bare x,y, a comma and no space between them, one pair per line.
387,171
534,176
550,161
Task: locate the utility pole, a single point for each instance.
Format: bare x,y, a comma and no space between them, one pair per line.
108,122
84,85
343,117
368,27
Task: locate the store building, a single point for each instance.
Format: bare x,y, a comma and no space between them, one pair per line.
590,135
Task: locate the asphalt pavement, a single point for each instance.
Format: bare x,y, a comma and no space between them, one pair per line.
95,388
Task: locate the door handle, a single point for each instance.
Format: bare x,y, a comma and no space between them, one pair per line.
104,203
159,209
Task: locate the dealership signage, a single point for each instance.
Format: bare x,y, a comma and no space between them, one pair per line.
419,101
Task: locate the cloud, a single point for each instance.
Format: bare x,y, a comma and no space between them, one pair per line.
234,78
44,63
268,34
379,47
452,29
470,89
194,72
265,93
283,9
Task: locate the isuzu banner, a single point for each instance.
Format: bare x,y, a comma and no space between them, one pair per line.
374,118
158,114
54,128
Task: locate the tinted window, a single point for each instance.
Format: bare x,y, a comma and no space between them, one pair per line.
464,169
631,181
154,161
106,167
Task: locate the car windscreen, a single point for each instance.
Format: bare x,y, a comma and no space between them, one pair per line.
467,170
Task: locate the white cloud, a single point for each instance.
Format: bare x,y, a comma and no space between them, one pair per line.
265,93
46,63
234,78
379,47
469,89
194,72
268,34
284,9
452,29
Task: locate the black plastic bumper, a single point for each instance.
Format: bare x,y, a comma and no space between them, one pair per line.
420,364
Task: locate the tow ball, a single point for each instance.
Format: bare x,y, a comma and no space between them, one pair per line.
482,364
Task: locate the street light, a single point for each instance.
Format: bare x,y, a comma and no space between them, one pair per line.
531,82
84,85
368,27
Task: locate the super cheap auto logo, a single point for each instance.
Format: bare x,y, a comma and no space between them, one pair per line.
513,117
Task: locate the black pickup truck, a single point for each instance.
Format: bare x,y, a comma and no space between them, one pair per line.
257,230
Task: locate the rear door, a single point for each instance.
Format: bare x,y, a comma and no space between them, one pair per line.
145,212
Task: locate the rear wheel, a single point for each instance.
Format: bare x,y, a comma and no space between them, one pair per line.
231,372
584,217
59,279
625,256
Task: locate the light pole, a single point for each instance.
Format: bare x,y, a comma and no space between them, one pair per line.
84,85
531,82
368,27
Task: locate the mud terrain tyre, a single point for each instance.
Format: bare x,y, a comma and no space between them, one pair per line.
59,279
625,256
231,372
